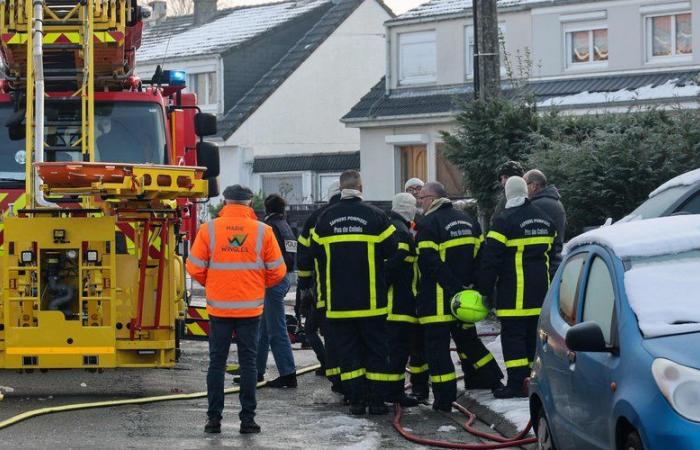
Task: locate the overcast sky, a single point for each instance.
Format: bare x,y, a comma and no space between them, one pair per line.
399,6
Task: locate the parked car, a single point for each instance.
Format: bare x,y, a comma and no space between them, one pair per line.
680,195
617,363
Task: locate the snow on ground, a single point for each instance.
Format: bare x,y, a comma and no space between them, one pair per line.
677,283
685,179
358,433
652,237
515,410
668,90
446,429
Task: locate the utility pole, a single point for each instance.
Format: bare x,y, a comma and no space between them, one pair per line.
487,65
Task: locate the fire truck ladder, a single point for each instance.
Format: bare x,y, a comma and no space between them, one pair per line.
62,46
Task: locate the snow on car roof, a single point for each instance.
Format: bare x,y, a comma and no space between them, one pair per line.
653,237
685,179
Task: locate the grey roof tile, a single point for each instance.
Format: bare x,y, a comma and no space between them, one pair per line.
445,100
320,162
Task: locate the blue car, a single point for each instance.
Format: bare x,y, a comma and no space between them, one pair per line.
618,348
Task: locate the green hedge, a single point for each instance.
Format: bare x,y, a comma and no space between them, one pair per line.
603,165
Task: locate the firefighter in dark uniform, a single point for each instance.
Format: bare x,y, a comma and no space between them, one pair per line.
352,240
516,259
448,244
311,285
405,335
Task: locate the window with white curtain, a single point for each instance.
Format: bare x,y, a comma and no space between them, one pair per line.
669,36
417,58
205,85
586,44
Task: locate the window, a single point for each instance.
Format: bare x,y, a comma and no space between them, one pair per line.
324,182
691,206
469,57
205,85
289,186
568,289
414,163
448,174
599,301
417,58
586,46
669,36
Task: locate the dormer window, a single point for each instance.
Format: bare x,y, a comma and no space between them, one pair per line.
417,58
669,36
586,44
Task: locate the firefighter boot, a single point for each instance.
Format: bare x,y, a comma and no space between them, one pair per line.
212,426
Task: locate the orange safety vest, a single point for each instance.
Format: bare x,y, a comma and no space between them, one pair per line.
235,257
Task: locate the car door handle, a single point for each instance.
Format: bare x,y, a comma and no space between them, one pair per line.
572,356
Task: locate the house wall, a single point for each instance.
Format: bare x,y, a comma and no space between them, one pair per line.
303,114
541,30
380,161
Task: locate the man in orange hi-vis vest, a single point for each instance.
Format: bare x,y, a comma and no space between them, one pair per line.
235,257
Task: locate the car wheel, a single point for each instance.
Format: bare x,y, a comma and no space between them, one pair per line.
544,435
633,442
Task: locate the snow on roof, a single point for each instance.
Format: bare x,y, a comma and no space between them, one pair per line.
652,237
446,7
686,179
240,25
668,90
663,295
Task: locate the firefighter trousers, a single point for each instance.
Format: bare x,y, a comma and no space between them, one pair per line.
406,340
518,338
477,362
363,359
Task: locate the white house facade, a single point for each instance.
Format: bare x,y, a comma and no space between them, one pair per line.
585,55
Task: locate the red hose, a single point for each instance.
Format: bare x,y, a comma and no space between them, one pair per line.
458,445
494,437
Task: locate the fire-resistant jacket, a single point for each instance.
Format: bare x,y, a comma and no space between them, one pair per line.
310,274
402,274
351,240
235,257
517,253
448,245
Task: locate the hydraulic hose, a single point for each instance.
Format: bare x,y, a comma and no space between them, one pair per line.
132,401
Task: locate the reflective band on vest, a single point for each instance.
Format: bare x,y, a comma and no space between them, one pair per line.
373,376
351,375
198,262
236,304
515,363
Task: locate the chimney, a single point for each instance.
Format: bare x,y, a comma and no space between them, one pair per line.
204,11
159,9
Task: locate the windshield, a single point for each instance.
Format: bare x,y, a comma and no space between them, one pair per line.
663,293
125,132
11,152
657,205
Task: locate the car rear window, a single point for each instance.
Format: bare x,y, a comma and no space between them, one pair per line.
658,205
663,293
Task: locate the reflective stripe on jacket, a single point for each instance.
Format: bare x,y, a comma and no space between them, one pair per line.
516,258
402,275
448,244
351,240
235,257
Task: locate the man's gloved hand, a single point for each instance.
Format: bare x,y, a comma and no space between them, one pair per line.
307,300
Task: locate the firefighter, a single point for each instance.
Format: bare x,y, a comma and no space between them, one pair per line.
235,257
310,284
516,259
405,336
352,240
448,244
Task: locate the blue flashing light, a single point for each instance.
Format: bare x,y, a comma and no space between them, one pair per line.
175,77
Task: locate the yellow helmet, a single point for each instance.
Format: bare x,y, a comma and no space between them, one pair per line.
468,306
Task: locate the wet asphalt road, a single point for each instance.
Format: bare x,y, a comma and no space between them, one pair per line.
309,417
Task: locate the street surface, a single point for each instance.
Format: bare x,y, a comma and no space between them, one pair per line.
310,417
